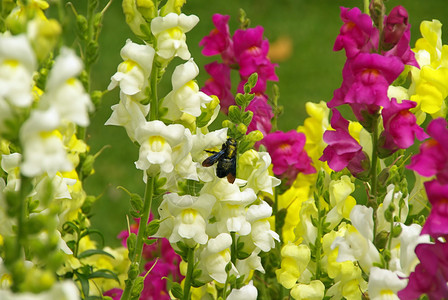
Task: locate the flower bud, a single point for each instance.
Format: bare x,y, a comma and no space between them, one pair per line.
172,6
147,9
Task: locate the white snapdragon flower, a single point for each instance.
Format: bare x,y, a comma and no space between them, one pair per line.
129,114
10,164
246,266
65,92
384,284
63,290
253,167
17,64
232,206
162,146
43,149
215,257
409,239
185,218
133,73
247,292
262,235
357,245
185,96
170,33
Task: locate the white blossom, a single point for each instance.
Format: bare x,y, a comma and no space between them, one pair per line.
247,292
170,33
65,92
185,96
384,284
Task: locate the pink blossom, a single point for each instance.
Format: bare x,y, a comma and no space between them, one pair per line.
288,156
400,127
357,34
433,156
342,150
366,79
251,52
431,274
219,40
397,36
436,224
263,114
219,84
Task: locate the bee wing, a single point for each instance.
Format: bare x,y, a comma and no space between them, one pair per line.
209,161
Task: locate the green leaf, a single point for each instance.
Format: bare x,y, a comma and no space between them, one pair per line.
234,114
104,273
242,255
152,227
83,280
91,252
176,290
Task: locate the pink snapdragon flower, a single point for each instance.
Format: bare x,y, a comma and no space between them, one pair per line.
287,153
251,52
430,275
433,156
219,41
397,36
400,127
219,84
263,114
366,79
342,150
357,34
437,221
114,293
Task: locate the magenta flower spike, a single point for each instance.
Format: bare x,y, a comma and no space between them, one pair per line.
342,147
400,127
219,40
433,156
357,35
288,156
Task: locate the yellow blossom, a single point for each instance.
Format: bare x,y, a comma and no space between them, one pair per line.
295,259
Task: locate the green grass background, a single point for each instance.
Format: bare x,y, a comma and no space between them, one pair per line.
310,74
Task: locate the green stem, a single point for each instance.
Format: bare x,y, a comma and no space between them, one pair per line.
154,112
189,275
137,256
233,248
372,201
318,243
366,6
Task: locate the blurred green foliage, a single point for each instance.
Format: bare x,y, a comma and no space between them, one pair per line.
311,73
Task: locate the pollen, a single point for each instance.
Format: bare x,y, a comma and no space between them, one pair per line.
192,85
157,143
175,33
71,81
13,63
189,216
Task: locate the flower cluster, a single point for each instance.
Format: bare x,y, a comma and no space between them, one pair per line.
247,51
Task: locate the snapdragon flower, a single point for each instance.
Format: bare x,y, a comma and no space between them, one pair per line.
295,259
400,127
247,292
162,146
186,218
433,156
219,84
340,200
43,150
170,33
133,73
384,284
263,115
66,93
219,40
289,157
185,96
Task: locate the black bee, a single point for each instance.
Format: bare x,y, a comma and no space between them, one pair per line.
226,159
